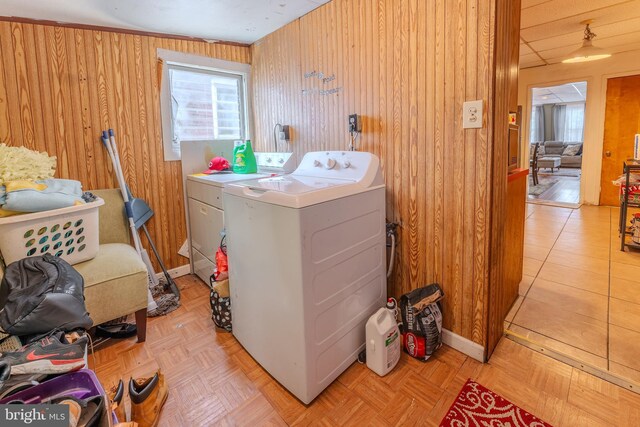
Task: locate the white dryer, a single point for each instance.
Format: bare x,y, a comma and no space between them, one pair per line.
307,266
205,217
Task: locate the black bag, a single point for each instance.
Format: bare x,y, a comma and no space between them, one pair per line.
42,293
422,321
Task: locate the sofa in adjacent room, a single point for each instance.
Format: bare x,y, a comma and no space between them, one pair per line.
569,153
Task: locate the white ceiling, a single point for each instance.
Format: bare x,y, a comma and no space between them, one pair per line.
550,29
570,92
243,21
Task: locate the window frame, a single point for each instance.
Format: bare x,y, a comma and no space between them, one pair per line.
178,60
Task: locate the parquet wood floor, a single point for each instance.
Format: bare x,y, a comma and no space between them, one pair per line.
213,381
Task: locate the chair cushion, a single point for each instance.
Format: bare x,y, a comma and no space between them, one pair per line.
549,162
115,282
114,260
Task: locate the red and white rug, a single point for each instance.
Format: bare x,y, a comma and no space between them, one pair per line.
477,406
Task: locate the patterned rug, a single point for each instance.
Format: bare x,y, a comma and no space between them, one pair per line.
544,183
479,406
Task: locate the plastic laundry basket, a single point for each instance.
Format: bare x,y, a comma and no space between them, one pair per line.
70,233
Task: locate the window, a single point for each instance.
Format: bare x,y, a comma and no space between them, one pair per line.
536,128
202,103
574,122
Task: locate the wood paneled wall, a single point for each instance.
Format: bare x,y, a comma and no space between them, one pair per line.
406,66
504,93
59,87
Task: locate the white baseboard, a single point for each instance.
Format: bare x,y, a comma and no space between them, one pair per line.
183,270
463,345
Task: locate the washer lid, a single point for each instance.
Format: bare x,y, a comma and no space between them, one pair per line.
294,191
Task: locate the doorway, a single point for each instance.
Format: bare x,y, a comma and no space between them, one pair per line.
578,299
621,124
556,139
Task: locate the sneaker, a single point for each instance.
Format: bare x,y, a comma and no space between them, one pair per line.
147,398
49,355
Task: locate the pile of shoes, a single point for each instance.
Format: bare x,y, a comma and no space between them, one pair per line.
46,367
147,395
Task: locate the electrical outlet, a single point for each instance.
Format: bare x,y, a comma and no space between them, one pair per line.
472,114
355,123
284,134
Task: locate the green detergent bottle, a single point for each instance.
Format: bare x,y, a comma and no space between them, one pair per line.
244,161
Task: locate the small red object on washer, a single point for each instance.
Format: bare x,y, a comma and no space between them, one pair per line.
217,164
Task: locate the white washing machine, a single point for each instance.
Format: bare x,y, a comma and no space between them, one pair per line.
307,266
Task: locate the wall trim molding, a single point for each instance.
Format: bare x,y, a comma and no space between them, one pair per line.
116,30
463,345
183,270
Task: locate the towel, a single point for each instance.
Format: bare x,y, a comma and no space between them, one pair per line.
5,213
44,195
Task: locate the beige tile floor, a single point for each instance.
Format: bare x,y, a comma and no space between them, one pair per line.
580,295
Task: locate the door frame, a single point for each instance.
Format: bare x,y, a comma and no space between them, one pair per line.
524,149
603,109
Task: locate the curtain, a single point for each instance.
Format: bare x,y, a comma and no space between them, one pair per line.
574,122
559,115
536,128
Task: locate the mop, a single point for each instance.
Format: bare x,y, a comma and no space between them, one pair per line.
115,160
141,213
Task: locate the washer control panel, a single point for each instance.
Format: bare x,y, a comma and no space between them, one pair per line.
276,162
348,165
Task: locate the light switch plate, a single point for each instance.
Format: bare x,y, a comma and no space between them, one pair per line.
472,114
